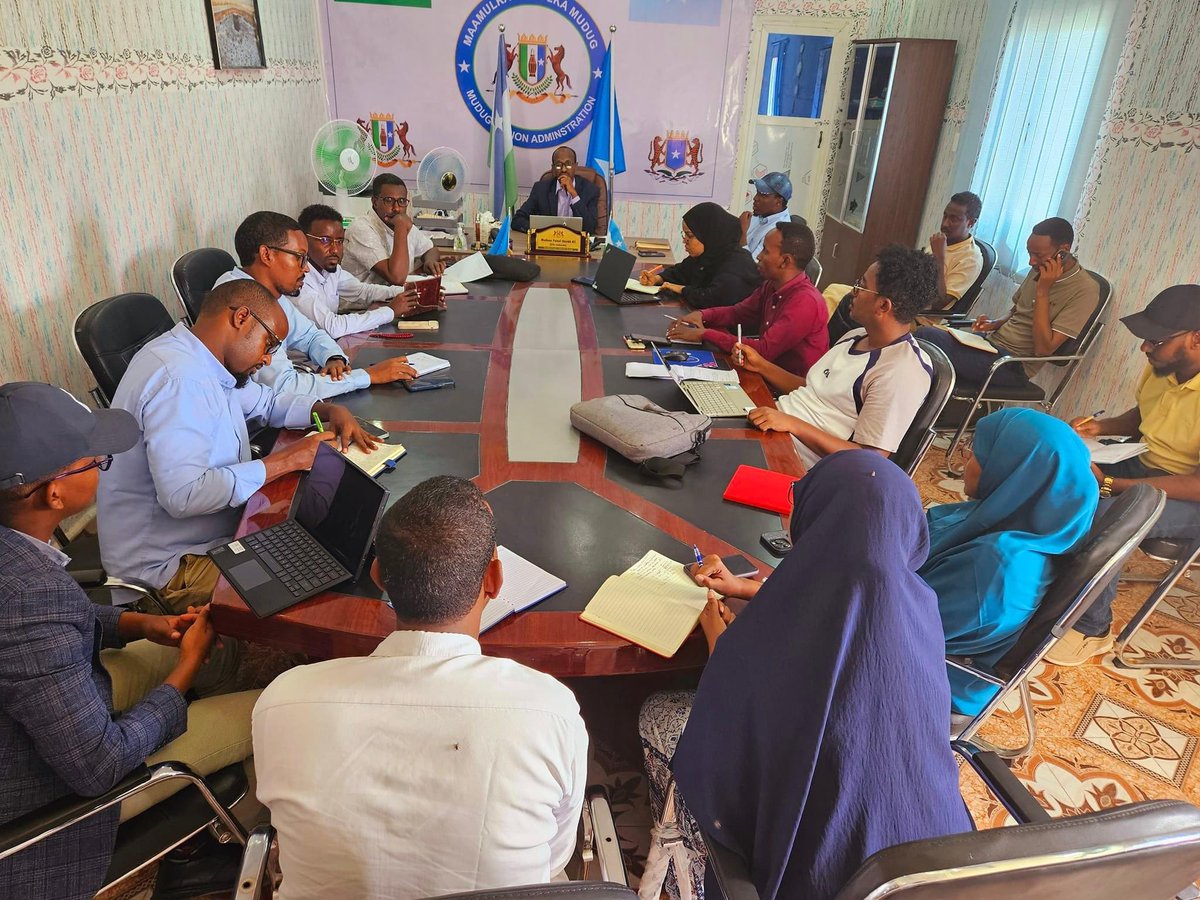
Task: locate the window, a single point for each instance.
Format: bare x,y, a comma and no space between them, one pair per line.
794,73
1052,87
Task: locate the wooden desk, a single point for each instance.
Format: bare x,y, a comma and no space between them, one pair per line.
582,520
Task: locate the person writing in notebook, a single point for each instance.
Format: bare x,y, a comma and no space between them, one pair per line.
866,390
486,758
786,311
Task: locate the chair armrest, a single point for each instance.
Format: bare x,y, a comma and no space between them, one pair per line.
88,578
729,870
965,664
1003,784
146,591
253,881
1005,360
600,836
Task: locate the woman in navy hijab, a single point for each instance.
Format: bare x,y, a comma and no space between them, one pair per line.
818,734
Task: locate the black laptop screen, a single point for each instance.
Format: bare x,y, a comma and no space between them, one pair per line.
339,504
612,273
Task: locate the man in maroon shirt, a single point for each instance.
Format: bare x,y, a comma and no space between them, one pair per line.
787,313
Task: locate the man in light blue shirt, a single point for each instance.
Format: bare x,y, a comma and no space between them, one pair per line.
180,490
773,191
273,251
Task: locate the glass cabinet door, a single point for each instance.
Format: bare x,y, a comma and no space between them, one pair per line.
869,134
843,154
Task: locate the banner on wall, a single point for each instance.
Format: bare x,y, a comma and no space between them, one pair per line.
418,78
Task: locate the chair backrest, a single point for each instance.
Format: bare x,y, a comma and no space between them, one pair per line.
602,204
194,275
109,333
920,433
1091,328
1081,576
963,305
813,270
559,890
1149,849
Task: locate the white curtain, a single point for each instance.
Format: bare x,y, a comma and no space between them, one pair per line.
1036,126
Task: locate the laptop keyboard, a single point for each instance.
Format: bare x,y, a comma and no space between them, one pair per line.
295,557
717,400
631,298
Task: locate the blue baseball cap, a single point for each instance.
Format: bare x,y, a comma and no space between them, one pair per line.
774,183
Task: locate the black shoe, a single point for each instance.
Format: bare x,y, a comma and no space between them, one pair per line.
201,866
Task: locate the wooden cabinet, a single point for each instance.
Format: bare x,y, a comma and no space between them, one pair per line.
885,150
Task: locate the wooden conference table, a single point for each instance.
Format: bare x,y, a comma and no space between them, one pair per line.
520,355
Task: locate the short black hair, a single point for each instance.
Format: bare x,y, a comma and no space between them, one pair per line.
11,499
1058,230
379,182
239,292
970,202
569,149
261,229
798,242
318,212
908,278
434,546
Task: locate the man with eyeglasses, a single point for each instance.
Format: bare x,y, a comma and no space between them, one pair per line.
564,194
180,490
373,253
273,250
333,299
1166,419
87,692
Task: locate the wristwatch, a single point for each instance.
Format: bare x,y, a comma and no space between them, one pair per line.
1106,487
342,358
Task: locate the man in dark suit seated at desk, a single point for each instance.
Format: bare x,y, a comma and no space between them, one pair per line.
566,194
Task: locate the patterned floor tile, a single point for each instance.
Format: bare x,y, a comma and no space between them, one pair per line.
1138,739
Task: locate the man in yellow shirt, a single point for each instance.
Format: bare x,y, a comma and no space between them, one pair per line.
1167,419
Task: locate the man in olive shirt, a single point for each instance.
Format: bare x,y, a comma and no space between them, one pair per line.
1167,419
1052,306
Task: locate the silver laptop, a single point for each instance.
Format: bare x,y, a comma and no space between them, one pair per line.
536,223
709,398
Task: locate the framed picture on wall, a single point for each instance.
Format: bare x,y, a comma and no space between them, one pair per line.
236,34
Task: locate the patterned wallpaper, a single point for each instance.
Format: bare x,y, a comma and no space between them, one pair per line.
123,148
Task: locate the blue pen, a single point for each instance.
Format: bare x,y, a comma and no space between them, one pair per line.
699,558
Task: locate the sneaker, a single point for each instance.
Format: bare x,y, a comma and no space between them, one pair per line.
1076,648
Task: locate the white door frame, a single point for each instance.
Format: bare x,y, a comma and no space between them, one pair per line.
839,28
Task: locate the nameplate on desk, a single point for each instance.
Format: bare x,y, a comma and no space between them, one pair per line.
559,240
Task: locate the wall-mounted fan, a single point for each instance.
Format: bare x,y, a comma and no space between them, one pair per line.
343,157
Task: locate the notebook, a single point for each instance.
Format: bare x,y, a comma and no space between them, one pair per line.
970,339
524,585
761,488
375,461
690,373
1113,450
632,284
425,363
449,285
653,604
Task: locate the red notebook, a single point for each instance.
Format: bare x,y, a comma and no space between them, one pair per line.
761,488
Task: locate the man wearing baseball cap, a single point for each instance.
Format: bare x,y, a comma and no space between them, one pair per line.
1167,419
772,193
76,718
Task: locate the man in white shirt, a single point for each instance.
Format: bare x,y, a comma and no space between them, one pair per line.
866,390
772,193
333,299
373,255
425,768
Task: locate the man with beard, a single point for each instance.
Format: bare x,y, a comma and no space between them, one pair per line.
373,255
179,491
1167,419
333,299
273,251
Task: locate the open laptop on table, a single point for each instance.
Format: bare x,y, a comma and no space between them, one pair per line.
611,277
324,541
709,398
537,223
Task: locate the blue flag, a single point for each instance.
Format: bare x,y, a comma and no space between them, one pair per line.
503,237
606,125
502,160
614,235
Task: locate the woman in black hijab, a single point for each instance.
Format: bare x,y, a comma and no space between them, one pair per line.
718,270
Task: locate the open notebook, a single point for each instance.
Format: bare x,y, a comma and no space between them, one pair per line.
449,285
524,585
653,604
377,460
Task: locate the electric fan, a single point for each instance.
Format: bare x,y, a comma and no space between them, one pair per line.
343,157
441,183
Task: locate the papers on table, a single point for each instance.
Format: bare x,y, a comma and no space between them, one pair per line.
425,363
632,284
377,460
1113,450
653,604
468,269
686,373
971,339
449,285
524,585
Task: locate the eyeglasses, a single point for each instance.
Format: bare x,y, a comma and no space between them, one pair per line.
393,201
558,167
687,235
860,285
101,462
1154,345
275,341
303,257
327,241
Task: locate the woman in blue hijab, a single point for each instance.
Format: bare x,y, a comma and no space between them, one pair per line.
992,558
818,734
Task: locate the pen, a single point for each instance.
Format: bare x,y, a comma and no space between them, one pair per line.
699,558
738,355
654,271
672,318
1090,418
317,422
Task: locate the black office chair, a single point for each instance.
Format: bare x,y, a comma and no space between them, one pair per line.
203,803
109,333
920,433
1182,555
962,306
1079,579
1068,357
194,275
1141,850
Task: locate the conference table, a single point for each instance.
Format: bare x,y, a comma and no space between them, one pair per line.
521,354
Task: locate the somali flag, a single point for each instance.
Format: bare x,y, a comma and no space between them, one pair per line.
503,238
501,160
603,123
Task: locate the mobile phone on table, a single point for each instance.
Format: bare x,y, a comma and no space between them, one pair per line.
778,543
428,383
372,429
739,566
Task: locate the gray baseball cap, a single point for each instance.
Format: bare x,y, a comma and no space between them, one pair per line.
46,429
774,183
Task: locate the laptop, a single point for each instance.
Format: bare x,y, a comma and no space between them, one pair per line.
537,223
324,541
709,398
611,275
